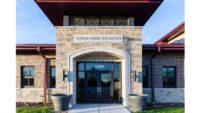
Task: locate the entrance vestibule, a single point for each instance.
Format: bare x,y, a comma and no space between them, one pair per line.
98,82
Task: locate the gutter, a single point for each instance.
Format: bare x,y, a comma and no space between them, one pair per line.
45,73
152,77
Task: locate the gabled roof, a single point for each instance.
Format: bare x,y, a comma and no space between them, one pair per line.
172,34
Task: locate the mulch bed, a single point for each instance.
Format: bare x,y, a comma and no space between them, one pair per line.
158,105
18,104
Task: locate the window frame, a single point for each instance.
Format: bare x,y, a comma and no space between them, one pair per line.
120,18
51,86
23,77
113,20
175,77
147,74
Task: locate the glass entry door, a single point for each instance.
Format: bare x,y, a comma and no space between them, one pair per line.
98,82
99,86
91,86
106,86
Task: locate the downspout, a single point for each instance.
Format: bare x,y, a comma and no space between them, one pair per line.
45,75
152,77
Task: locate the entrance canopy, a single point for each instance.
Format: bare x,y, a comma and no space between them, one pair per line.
141,10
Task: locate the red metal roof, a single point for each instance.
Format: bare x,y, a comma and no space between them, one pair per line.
172,34
26,48
163,48
140,9
51,48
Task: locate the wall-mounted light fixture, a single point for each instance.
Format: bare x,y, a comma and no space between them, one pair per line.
64,75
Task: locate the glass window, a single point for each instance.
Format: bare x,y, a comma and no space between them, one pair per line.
92,21
107,21
81,66
98,21
53,77
81,78
81,86
77,21
27,76
169,79
99,66
90,66
121,21
117,67
145,81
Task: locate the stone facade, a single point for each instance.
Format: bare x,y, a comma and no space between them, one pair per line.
35,94
131,49
128,52
32,94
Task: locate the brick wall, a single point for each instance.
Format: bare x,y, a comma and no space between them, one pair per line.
165,59
163,95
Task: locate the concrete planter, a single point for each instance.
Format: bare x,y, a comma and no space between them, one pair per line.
60,101
137,102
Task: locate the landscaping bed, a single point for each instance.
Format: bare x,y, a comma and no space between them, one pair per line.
34,108
164,108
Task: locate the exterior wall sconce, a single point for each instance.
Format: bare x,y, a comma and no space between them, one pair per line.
64,75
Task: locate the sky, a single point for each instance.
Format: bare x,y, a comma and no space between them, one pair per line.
33,27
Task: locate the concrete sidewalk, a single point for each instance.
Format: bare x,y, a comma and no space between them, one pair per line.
99,108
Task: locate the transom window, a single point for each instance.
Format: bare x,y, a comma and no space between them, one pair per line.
145,81
169,76
98,21
27,76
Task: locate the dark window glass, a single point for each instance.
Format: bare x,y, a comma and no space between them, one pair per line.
105,66
77,21
28,71
90,66
169,77
92,80
116,82
99,66
98,21
145,81
107,21
81,78
116,67
121,21
27,76
31,81
81,66
92,21
53,77
81,86
180,41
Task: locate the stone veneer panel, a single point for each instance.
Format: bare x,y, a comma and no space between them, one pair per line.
166,95
65,45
